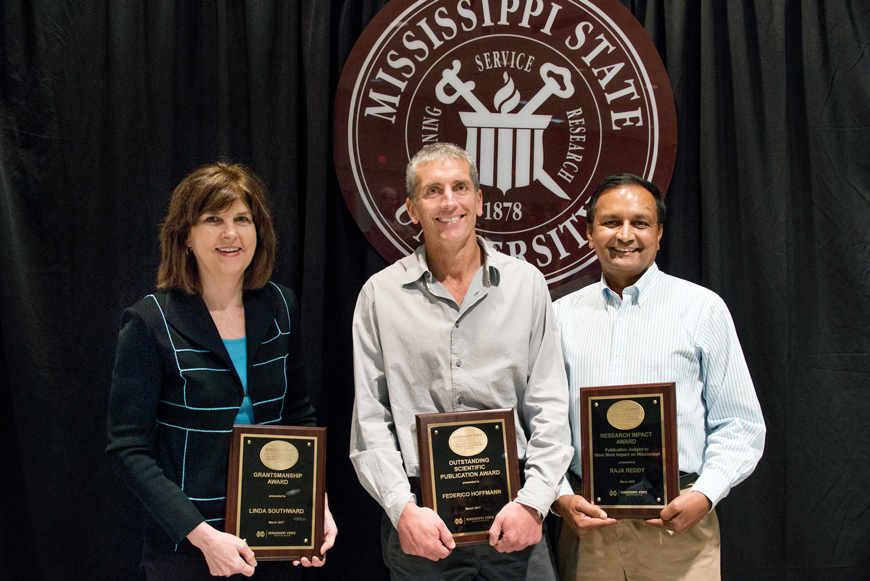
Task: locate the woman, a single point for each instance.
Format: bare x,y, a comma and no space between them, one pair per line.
217,344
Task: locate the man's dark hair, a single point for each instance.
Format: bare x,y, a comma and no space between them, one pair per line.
626,179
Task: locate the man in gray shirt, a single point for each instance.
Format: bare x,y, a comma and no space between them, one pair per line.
455,326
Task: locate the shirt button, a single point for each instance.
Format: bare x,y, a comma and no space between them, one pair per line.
459,401
618,354
459,363
457,324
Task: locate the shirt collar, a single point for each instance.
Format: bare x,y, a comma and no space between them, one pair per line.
417,267
639,290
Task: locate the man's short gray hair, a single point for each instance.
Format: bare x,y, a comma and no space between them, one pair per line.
438,152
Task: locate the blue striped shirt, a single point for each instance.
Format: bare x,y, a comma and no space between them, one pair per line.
666,329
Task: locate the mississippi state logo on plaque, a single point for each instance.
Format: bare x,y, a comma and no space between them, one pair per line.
548,97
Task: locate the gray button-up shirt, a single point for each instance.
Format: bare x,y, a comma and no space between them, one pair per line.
417,351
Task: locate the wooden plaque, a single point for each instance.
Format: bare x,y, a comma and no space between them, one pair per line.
629,444
275,490
468,469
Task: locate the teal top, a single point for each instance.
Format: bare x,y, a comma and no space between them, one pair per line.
237,348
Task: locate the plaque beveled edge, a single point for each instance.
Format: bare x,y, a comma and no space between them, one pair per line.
424,448
670,456
234,485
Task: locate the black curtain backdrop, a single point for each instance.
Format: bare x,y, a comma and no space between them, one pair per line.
105,105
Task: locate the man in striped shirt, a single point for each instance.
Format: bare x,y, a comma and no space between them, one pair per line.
639,325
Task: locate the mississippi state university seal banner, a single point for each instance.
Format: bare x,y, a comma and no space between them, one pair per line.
549,97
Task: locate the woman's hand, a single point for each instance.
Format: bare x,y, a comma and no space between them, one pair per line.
225,554
330,531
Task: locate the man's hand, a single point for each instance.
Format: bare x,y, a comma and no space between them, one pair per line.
516,526
423,533
225,554
683,512
582,517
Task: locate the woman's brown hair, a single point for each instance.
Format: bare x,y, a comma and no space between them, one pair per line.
213,188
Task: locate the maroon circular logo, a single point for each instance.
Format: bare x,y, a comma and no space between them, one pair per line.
549,98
